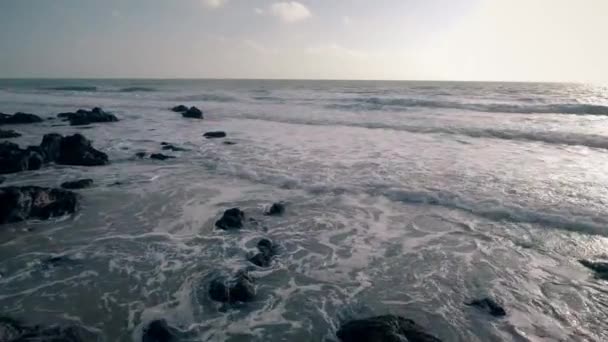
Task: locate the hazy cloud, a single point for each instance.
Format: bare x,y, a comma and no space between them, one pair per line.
214,3
290,12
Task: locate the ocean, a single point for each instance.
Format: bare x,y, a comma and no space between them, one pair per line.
406,198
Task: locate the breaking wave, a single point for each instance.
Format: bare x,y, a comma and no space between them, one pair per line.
377,103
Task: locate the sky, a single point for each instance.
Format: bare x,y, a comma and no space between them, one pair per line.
483,40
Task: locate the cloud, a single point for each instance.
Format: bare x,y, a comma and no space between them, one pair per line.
290,12
214,3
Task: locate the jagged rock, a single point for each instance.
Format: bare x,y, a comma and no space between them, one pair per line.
8,134
84,117
388,328
231,219
25,202
193,113
160,156
241,288
215,135
488,305
19,118
600,268
159,331
14,159
78,184
267,252
72,150
179,109
275,209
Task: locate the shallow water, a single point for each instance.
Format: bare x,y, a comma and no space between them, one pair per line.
402,197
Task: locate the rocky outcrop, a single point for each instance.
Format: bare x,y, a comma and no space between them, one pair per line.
8,134
78,184
14,331
180,109
71,150
599,267
14,159
215,135
159,331
32,202
85,117
489,306
267,250
160,156
388,328
231,219
19,118
275,209
193,113
240,288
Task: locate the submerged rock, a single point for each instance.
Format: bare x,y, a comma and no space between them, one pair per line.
215,135
14,159
388,328
160,156
231,219
72,150
599,267
19,118
275,209
241,288
159,331
229,143
78,184
11,330
140,155
32,202
267,250
488,305
173,148
2,179
193,113
84,117
8,134
179,109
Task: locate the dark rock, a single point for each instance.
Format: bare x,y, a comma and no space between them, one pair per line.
9,134
72,150
231,219
159,331
164,143
488,305
140,154
78,184
14,159
267,252
180,109
84,117
229,143
388,328
19,118
214,135
173,148
22,203
11,330
193,113
599,267
241,288
57,261
2,179
160,156
275,209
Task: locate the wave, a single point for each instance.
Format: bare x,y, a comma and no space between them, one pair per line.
136,89
207,98
377,103
73,88
547,137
